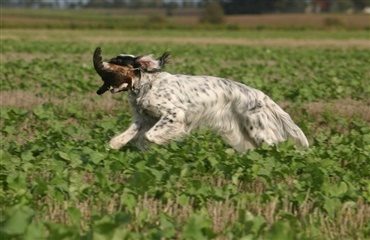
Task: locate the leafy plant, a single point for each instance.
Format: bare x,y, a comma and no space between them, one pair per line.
59,180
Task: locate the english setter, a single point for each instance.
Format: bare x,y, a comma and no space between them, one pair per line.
166,106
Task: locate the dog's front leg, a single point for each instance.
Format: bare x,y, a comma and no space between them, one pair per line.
169,127
119,141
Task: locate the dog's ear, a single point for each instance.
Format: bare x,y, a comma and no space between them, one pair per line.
150,64
164,59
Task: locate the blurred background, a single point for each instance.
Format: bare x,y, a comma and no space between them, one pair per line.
186,14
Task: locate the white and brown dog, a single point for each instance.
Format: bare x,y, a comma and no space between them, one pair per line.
166,106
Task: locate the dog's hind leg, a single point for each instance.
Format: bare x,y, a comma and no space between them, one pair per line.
119,141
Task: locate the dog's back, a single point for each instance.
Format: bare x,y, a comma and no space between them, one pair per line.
244,116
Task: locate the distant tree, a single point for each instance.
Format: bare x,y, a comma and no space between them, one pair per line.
170,6
137,3
29,3
188,3
96,4
119,3
212,13
343,5
247,7
204,3
158,3
288,6
5,3
360,4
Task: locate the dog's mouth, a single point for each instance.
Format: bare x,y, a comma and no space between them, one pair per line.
122,88
114,88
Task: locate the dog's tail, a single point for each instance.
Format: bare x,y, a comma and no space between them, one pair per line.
284,123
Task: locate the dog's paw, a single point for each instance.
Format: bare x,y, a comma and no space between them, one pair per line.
154,139
115,144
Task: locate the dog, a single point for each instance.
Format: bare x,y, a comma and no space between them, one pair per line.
166,106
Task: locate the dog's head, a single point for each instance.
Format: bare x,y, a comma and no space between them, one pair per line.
120,73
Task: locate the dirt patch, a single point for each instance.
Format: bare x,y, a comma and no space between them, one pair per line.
49,21
280,42
265,42
23,99
347,108
91,102
299,20
27,57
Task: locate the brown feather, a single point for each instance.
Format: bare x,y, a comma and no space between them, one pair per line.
113,75
98,61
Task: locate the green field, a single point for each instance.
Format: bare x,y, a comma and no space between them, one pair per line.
59,181
184,19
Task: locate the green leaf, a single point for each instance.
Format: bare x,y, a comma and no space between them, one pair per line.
255,156
198,226
280,230
64,156
17,220
258,223
167,225
122,218
129,201
27,156
332,206
74,215
36,231
104,228
97,157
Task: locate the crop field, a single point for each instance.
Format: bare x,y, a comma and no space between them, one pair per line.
60,181
182,19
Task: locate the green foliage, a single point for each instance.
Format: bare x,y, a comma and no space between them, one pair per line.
332,22
156,18
212,13
126,18
59,181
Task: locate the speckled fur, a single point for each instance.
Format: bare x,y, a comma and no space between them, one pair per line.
167,107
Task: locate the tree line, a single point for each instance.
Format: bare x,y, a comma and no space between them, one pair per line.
228,6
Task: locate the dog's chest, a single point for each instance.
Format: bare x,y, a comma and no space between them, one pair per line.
144,105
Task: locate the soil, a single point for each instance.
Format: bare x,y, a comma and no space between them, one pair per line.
266,42
280,42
